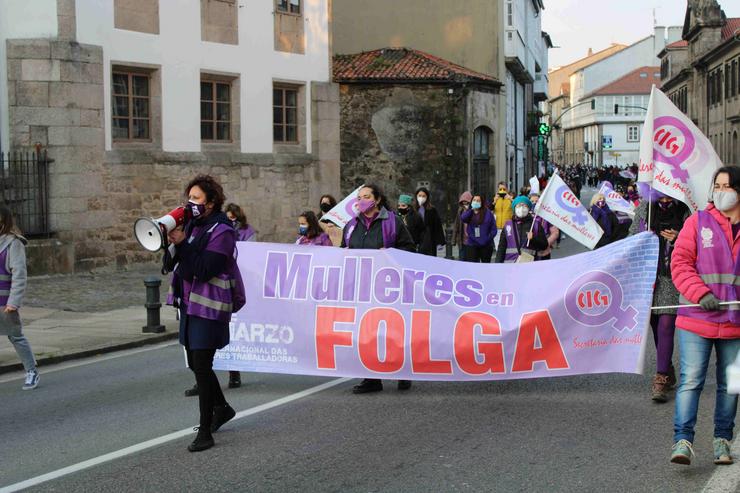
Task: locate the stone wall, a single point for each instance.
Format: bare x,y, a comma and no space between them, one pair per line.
399,136
56,100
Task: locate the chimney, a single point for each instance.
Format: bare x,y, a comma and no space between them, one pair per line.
590,52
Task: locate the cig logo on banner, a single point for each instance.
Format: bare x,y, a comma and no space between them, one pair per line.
570,203
596,298
673,144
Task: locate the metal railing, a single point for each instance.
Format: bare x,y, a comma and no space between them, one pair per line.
24,187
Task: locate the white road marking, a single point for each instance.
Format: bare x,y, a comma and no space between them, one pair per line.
726,478
163,439
19,375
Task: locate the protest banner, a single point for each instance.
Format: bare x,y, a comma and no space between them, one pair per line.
344,211
675,156
559,206
534,185
393,314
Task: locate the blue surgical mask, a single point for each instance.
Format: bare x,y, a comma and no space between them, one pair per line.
475,205
303,230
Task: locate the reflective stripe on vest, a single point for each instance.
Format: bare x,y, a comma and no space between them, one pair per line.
208,303
717,269
222,283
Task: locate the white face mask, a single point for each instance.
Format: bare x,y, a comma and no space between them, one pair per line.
421,200
725,201
521,211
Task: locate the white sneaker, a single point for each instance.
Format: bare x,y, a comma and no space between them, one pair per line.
32,380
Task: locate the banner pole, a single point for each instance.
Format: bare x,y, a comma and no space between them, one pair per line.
695,305
650,210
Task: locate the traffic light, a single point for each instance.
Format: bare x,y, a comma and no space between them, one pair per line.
593,104
544,129
616,108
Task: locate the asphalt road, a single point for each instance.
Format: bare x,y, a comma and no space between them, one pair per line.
573,434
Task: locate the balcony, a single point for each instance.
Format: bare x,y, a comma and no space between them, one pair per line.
540,88
518,58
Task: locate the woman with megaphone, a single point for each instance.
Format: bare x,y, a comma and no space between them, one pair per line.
207,288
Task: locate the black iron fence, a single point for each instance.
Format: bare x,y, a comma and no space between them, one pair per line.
24,187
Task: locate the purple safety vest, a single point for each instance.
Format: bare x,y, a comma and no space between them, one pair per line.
717,269
388,226
244,234
220,296
5,277
512,249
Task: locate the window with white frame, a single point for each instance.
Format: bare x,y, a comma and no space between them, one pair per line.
633,133
509,13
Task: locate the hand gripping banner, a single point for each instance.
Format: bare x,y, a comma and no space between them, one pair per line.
398,315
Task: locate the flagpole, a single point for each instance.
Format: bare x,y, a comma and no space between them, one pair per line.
650,209
542,194
695,305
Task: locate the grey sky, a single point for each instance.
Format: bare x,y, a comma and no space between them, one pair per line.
577,25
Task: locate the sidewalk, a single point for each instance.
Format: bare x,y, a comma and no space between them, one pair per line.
79,315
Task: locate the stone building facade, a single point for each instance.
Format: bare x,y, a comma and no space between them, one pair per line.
701,75
61,96
411,119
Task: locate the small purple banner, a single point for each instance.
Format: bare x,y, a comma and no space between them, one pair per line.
392,314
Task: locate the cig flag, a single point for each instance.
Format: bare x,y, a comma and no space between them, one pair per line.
675,157
344,211
559,206
615,201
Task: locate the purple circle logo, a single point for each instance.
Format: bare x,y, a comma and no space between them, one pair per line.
673,144
352,207
569,202
595,299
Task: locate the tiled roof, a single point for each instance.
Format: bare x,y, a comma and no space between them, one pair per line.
638,81
403,65
731,27
681,43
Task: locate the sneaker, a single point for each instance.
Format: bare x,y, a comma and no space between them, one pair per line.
203,441
235,380
682,452
722,454
32,380
221,416
660,387
404,384
368,385
192,391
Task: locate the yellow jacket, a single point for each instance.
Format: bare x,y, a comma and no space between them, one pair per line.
503,211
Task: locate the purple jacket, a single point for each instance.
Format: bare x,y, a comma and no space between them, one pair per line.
246,234
320,240
486,229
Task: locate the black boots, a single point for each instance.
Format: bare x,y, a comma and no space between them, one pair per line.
191,392
368,385
221,416
404,384
203,441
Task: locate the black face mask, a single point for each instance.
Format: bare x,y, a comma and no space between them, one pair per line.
325,207
403,212
502,195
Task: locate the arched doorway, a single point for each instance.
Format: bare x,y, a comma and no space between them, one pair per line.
480,178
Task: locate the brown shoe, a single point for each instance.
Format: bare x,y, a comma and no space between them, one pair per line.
660,387
671,377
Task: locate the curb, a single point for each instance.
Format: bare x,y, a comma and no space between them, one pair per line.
52,360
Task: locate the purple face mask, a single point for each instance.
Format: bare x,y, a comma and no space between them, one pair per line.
197,210
365,205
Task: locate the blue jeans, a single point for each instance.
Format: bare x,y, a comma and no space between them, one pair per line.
695,351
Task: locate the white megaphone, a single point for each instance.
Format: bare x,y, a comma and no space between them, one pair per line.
152,233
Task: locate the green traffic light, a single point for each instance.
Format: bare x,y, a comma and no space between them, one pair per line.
544,129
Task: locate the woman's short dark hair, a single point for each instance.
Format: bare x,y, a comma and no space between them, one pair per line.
478,218
238,214
428,203
332,200
314,229
7,223
378,194
213,190
733,172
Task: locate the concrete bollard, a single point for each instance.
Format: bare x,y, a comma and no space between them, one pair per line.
152,305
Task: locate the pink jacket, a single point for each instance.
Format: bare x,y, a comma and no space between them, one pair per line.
687,280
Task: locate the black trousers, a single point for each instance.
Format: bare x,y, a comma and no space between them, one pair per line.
478,254
200,361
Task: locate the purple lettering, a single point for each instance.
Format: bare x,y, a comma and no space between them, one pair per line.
467,293
350,275
323,289
387,285
437,289
366,277
283,282
410,278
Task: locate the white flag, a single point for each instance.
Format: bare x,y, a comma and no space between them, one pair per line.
615,201
559,206
534,185
675,157
344,211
